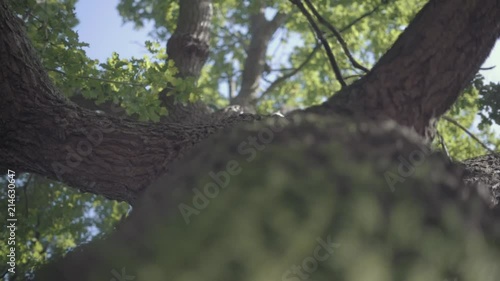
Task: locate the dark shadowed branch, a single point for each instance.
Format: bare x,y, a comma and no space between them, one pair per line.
294,71
337,35
283,78
323,41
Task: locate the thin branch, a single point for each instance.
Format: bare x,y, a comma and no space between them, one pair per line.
454,122
290,74
325,44
352,76
230,86
354,22
281,69
309,57
236,35
443,145
337,35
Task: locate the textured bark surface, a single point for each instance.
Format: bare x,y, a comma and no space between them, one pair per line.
484,171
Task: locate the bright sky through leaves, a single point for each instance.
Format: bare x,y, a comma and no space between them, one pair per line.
101,27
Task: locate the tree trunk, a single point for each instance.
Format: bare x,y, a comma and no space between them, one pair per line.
267,215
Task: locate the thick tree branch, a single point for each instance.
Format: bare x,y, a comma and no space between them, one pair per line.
105,155
432,61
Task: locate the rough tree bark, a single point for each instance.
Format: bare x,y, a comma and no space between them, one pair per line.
95,153
417,80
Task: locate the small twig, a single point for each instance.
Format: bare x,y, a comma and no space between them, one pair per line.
454,122
230,86
290,74
487,68
325,44
337,35
281,69
236,35
443,145
353,76
309,57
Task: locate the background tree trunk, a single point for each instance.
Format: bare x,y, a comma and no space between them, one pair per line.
189,48
189,45
261,31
